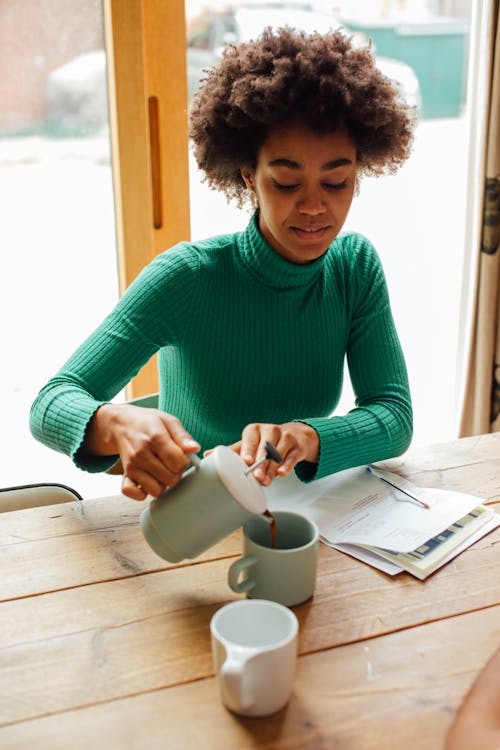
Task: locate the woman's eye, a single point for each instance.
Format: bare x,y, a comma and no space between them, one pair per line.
284,188
335,185
326,185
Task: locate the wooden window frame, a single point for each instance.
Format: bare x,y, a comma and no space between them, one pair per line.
146,54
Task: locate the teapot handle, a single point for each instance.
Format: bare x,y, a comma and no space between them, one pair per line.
195,460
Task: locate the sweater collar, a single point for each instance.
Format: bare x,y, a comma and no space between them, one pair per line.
268,266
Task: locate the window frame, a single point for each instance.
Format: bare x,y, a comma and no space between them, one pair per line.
148,102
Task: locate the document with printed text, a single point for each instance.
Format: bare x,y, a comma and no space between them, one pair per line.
364,516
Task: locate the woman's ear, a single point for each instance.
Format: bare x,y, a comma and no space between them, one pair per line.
248,177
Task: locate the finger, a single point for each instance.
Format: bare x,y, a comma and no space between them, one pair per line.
266,472
291,451
155,482
169,453
289,463
152,470
180,436
133,490
254,438
249,444
269,433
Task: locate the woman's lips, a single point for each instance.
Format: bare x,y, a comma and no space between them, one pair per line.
310,233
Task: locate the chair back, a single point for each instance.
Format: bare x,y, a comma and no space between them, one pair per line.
148,402
35,495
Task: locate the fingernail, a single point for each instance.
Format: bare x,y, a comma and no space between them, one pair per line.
192,444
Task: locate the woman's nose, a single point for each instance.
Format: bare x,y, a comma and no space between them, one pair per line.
312,203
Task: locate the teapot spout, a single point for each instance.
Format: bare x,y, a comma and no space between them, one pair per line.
269,517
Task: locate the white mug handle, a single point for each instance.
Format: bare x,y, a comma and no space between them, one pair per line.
234,685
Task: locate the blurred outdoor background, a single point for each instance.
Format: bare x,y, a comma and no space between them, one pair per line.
59,268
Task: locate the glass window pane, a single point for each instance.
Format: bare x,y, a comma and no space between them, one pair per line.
59,275
416,218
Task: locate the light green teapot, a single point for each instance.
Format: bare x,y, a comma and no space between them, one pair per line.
216,496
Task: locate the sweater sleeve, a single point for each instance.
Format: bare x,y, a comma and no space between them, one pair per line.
150,315
381,425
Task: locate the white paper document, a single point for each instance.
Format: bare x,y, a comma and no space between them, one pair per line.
357,507
376,561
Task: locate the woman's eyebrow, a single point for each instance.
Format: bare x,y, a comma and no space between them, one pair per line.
290,164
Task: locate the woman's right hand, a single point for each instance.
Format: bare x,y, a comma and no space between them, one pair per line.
152,446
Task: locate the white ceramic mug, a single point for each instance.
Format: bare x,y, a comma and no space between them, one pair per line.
254,649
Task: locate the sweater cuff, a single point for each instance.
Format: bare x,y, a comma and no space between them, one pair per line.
306,471
87,461
93,464
363,436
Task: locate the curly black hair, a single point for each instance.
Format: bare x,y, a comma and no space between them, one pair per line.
323,80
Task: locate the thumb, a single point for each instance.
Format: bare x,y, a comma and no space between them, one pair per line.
234,447
179,435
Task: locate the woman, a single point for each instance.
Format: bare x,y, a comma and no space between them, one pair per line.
477,721
252,328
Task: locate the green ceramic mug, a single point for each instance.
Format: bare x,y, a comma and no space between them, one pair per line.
286,573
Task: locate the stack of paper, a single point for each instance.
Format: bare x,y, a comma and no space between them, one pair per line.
359,513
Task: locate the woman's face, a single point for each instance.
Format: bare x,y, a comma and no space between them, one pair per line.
304,184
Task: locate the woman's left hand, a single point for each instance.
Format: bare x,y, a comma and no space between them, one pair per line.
296,441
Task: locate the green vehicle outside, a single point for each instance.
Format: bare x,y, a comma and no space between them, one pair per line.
436,49
212,31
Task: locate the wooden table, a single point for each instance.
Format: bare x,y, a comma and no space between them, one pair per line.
105,645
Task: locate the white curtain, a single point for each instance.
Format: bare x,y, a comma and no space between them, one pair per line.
481,404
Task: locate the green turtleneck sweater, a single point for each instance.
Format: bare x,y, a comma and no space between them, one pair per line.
243,335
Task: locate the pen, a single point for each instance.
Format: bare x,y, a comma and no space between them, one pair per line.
408,494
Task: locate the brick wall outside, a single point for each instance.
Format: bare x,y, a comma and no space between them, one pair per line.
37,36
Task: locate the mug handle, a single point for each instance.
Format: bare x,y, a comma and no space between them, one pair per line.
232,676
234,573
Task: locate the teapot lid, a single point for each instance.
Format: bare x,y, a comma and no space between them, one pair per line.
231,469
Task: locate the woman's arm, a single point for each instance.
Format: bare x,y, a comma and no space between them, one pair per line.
477,723
381,424
151,314
152,446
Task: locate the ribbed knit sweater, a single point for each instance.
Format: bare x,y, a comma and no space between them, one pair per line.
243,336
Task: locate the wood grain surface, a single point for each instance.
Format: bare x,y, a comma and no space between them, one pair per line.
105,643
393,692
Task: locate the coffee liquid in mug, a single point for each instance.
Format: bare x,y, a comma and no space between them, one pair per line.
268,514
